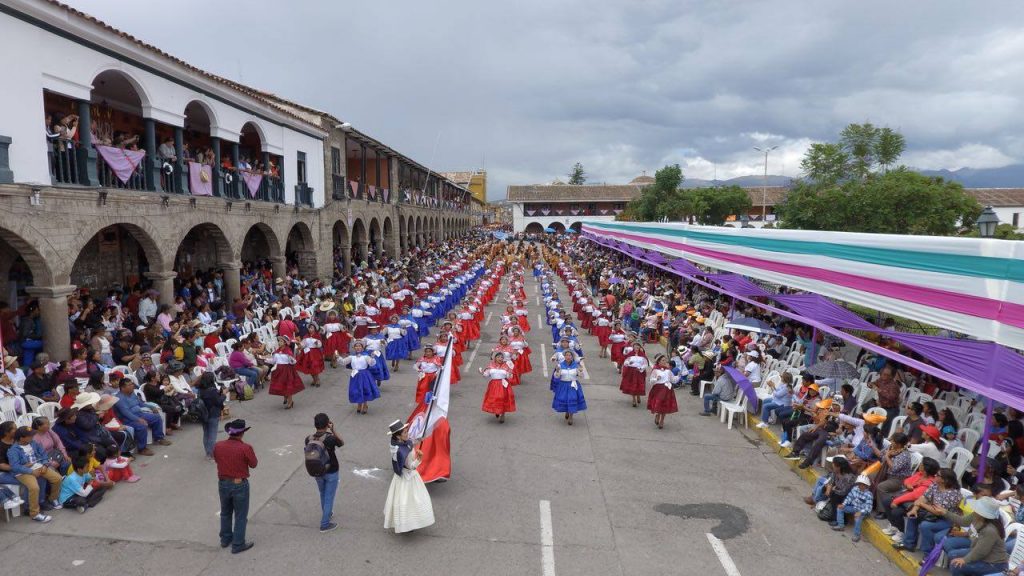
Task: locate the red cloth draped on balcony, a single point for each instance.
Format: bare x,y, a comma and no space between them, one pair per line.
252,181
122,162
200,179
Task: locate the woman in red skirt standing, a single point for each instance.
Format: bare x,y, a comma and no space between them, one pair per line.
336,338
634,373
499,398
510,355
522,348
603,329
662,399
617,338
429,366
311,361
285,380
522,316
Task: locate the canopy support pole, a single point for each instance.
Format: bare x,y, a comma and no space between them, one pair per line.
983,455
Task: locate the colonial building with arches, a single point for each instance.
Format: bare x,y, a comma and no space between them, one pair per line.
122,165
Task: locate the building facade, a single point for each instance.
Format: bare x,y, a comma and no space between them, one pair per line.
122,165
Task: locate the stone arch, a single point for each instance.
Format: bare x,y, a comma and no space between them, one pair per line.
260,242
558,227
534,228
376,240
108,251
418,232
202,247
198,107
403,239
301,249
21,262
251,140
359,240
577,226
388,237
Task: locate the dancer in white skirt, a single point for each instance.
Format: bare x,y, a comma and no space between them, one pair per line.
408,505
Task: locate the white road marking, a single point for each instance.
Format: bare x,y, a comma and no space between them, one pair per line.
723,555
544,359
538,300
368,473
489,315
540,320
473,355
547,539
282,451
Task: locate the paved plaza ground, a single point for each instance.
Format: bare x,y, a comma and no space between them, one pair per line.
625,498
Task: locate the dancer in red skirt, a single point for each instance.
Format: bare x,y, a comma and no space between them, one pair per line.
428,367
499,398
617,338
634,373
662,399
602,329
336,338
311,360
439,349
511,356
285,380
523,316
469,324
362,322
522,348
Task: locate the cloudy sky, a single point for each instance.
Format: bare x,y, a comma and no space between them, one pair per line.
529,87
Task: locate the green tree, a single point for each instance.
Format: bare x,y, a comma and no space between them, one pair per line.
897,202
888,147
859,141
711,206
825,163
577,177
662,199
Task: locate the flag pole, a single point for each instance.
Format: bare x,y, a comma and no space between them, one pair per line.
433,391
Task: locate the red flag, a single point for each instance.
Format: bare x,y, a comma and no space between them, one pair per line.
430,422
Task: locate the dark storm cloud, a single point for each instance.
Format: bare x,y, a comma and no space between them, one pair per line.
530,87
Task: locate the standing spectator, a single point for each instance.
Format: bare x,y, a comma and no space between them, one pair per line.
322,464
234,460
213,397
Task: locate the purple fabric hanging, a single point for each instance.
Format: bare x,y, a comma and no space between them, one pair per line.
821,308
684,267
738,284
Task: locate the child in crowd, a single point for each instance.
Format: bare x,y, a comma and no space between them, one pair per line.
860,502
77,491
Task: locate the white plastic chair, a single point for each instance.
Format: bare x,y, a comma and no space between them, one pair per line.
223,348
8,410
733,408
897,423
969,437
48,409
958,461
915,460
33,402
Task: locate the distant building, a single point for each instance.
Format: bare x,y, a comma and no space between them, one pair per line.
1007,202
475,181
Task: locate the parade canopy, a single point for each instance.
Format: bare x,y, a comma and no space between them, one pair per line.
986,368
969,285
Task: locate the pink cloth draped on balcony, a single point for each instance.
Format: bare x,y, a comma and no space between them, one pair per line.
386,193
252,181
371,192
200,179
354,186
122,162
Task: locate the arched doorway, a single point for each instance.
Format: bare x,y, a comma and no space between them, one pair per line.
260,244
389,238
25,275
577,226
117,103
558,227
341,249
196,140
403,240
200,255
534,228
117,255
300,250
418,232
358,242
376,244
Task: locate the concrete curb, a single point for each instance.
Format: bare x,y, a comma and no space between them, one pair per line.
871,531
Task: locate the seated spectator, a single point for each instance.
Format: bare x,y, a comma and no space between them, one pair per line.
864,449
986,553
835,485
926,518
813,440
79,363
110,468
913,488
77,490
724,390
14,374
801,411
90,429
64,427
158,390
135,415
176,374
240,363
51,444
896,467
39,383
7,390
29,463
857,502
933,446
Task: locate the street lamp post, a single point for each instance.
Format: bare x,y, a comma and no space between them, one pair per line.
764,187
987,222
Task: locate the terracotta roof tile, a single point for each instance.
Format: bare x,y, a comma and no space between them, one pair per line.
998,196
616,193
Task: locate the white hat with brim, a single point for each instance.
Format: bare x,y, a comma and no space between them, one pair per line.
864,479
986,507
396,427
86,399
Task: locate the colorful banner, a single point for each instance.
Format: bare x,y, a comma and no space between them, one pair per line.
252,181
122,162
969,285
371,192
354,186
200,179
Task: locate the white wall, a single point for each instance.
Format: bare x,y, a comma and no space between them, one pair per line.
520,220
38,59
1006,213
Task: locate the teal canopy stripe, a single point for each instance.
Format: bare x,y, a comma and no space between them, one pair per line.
955,264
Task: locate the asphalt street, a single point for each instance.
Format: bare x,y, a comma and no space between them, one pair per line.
610,495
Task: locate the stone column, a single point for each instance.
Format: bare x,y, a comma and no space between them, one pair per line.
277,263
306,260
150,164
236,184
361,251
163,282
88,175
6,174
232,282
53,311
180,166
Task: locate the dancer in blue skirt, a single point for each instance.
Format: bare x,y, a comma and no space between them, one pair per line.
569,397
362,387
396,348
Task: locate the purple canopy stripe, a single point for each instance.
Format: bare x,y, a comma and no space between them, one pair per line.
684,267
738,284
817,306
745,384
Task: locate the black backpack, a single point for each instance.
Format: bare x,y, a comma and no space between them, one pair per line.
197,409
317,458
